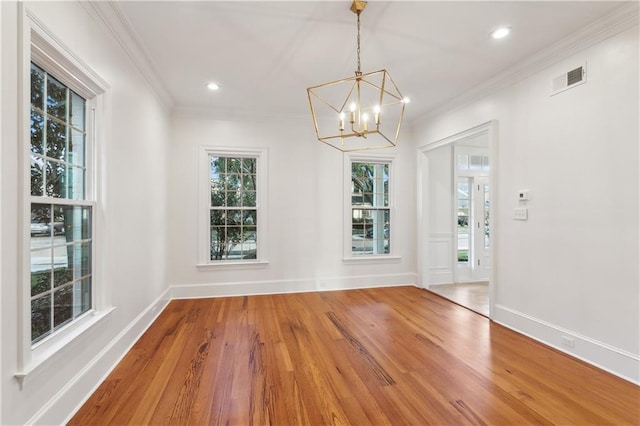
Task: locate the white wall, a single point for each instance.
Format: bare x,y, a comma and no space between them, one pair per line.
572,268
305,211
132,242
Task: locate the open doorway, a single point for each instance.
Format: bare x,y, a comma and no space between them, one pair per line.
455,217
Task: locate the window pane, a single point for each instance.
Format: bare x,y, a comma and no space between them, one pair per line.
233,199
37,86
249,182
76,148
218,217
63,305
249,165
234,165
463,162
234,217
218,198
216,169
55,179
40,280
475,162
37,177
40,317
249,199
64,274
37,135
82,252
56,140
77,111
74,183
84,296
217,248
40,225
485,163
249,217
56,98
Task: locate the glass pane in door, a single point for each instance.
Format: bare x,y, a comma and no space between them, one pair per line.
463,220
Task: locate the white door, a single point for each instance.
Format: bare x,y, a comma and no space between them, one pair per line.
473,229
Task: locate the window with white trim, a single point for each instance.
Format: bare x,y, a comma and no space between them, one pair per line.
234,209
60,209
370,207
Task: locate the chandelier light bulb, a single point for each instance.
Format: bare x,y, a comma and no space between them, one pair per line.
365,118
376,114
406,100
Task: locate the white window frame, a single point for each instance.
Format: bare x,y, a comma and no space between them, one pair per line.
348,256
204,190
40,46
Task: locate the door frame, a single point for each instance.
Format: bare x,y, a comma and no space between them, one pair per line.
490,129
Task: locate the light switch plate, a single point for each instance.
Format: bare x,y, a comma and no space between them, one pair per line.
523,195
520,213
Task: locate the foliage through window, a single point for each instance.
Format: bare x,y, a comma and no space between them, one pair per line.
234,208
370,211
61,216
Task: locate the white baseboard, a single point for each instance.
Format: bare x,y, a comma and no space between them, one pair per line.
192,291
85,383
599,354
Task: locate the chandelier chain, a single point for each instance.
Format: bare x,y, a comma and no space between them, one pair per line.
358,72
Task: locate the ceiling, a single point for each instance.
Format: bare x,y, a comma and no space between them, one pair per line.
265,54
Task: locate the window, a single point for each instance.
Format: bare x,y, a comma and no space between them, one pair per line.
370,208
234,213
61,213
234,210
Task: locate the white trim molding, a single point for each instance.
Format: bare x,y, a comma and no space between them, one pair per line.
110,15
602,355
204,206
252,288
619,20
78,390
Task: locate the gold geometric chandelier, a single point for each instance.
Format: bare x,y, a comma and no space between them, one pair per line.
360,112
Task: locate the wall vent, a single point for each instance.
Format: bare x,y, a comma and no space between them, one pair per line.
568,80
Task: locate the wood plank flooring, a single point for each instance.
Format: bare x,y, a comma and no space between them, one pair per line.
388,356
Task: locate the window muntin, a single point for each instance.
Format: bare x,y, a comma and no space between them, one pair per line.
370,211
233,210
61,215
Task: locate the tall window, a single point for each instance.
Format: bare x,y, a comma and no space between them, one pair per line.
370,208
233,209
61,212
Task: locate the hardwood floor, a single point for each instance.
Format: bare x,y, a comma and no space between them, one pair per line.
376,356
474,296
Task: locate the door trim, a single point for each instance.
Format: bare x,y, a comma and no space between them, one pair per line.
490,128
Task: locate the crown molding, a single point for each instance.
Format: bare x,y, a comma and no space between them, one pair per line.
111,16
615,22
247,115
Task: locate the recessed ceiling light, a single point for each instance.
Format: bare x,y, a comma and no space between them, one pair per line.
213,86
501,32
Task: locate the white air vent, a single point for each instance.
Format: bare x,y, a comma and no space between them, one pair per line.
573,78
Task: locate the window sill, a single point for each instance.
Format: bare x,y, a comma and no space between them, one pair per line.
372,259
40,355
233,265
